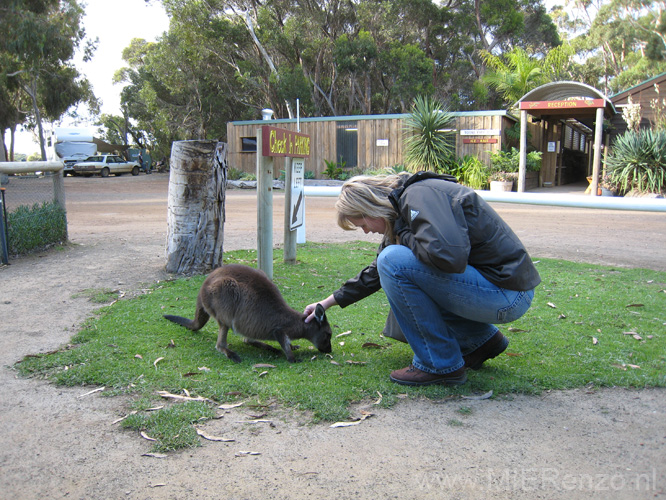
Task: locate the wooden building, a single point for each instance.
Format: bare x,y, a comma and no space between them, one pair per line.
644,94
365,142
570,121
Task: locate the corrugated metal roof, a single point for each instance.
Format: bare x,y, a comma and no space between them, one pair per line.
559,91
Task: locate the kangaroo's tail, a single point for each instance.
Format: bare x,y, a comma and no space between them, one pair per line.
201,317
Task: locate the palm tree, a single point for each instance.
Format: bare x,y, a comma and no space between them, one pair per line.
516,73
428,138
513,75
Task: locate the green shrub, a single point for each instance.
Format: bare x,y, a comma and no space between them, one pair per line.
637,161
429,142
473,172
336,171
37,227
509,161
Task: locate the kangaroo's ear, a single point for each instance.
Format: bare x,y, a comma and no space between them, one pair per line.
320,314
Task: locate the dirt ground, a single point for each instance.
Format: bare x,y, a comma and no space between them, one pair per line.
61,443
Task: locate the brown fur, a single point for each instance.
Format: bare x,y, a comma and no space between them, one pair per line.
244,299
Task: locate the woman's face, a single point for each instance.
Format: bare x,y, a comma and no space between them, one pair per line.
369,224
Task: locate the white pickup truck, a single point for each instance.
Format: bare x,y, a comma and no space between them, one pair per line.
105,165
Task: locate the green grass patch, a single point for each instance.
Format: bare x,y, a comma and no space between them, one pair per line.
588,326
98,295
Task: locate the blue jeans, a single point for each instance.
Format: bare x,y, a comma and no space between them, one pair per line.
444,315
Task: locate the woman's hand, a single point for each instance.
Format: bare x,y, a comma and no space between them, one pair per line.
310,308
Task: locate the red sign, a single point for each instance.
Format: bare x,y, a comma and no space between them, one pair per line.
575,104
280,142
479,141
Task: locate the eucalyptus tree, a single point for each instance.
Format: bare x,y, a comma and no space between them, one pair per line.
622,42
38,39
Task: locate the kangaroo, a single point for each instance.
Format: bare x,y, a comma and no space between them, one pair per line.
247,301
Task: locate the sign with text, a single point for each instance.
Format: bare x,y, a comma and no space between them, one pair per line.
487,131
573,104
479,141
282,142
297,209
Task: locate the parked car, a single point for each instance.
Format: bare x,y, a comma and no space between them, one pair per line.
105,165
70,161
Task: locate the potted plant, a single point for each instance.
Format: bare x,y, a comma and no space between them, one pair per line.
501,181
607,187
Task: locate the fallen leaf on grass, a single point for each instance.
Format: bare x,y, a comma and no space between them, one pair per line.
348,332
380,398
513,354
263,365
99,389
624,366
333,362
147,437
595,341
178,397
371,345
635,305
515,330
487,395
351,362
550,304
138,356
203,369
157,361
263,374
364,415
123,418
230,406
210,437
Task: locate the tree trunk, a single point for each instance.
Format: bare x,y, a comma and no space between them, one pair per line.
195,213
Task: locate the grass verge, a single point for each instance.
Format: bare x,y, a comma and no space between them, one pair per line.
588,325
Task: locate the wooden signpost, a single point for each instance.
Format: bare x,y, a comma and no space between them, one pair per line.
276,142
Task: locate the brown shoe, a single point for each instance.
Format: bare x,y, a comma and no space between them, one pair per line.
492,348
413,376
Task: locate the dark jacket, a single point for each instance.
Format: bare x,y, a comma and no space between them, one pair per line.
449,226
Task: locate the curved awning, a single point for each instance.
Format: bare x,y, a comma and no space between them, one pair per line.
566,100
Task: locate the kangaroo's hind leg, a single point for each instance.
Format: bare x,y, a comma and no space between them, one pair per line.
222,344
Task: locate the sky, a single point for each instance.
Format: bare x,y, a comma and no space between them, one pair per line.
115,23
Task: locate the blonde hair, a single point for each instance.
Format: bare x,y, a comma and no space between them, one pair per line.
367,196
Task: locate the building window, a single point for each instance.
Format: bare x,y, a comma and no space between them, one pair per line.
248,144
347,143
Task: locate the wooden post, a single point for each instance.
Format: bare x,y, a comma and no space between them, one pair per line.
264,209
195,208
522,159
598,132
